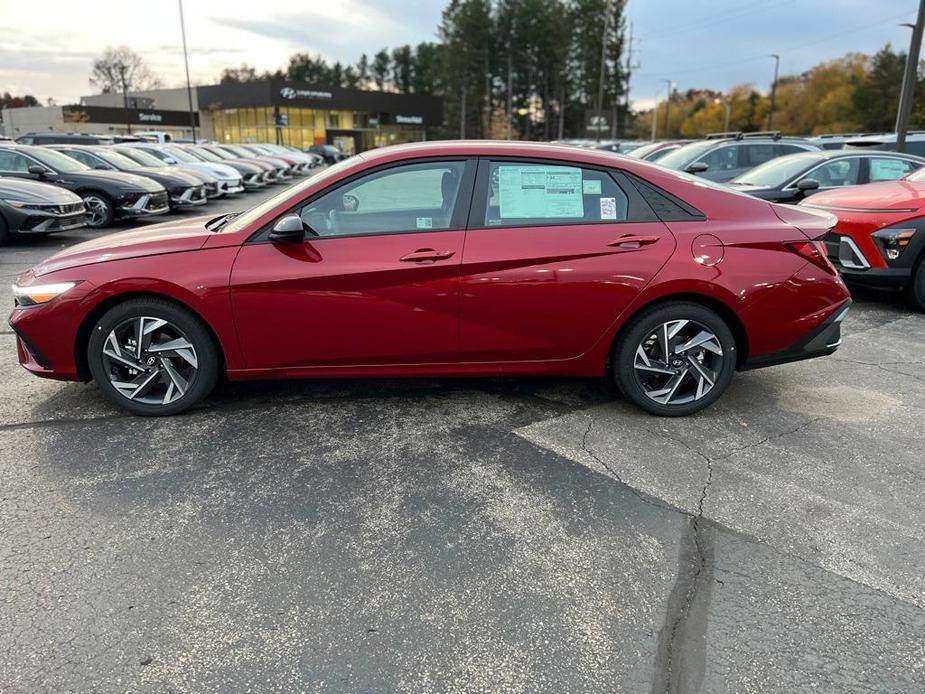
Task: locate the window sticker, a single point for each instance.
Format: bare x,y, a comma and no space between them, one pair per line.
887,169
540,192
424,223
591,186
608,208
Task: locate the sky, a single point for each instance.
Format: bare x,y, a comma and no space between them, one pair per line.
694,43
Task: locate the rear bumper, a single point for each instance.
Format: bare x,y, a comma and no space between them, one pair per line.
822,340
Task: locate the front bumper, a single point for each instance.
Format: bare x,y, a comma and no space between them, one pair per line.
856,269
45,220
822,340
188,197
254,181
146,205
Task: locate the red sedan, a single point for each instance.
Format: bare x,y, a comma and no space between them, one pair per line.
445,259
879,240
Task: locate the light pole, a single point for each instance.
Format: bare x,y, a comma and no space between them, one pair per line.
909,78
128,122
668,108
773,89
728,108
189,88
600,85
655,118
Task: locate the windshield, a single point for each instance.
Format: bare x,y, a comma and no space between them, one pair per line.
181,155
775,173
683,156
120,161
141,157
220,153
204,155
240,151
640,152
280,199
57,161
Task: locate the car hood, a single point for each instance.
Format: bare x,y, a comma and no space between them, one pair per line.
117,178
35,192
169,177
888,195
172,237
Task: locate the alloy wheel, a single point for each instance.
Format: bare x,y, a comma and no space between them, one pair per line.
97,210
679,362
149,360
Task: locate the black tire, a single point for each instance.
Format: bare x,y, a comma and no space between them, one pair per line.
640,332
4,231
100,212
179,319
916,290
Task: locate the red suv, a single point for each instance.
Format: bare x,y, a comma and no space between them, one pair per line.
879,240
449,259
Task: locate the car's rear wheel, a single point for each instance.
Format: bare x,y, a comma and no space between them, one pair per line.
152,357
675,359
100,212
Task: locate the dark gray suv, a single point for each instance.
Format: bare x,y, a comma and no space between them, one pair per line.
723,156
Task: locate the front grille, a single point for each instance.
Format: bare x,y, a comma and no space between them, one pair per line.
157,201
198,193
68,208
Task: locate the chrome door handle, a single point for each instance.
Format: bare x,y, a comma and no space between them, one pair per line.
633,241
423,255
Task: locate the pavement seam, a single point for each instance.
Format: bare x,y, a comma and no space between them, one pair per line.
883,366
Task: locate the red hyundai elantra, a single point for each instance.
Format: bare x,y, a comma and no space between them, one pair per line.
449,259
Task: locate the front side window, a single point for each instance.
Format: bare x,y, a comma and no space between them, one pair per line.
82,157
841,172
412,197
13,161
890,169
721,159
57,161
524,193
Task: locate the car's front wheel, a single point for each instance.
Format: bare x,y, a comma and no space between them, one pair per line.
917,288
152,357
100,212
674,359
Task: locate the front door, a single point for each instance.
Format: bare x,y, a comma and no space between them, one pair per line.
553,255
376,280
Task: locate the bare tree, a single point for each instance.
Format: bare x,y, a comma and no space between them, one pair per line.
120,68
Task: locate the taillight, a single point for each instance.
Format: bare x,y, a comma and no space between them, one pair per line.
814,252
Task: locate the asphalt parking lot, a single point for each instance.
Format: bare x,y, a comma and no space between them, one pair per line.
470,535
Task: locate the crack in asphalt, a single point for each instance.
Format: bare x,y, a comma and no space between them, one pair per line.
882,366
642,496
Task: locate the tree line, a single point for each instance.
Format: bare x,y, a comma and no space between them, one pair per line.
539,60
852,94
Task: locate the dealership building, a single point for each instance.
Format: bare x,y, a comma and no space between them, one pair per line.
291,113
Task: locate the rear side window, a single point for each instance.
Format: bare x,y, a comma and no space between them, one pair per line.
782,150
888,169
916,147
523,193
759,154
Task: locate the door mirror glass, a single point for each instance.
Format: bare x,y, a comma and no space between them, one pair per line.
288,229
697,167
808,184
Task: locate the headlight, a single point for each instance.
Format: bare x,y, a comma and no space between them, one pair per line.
22,205
37,294
894,241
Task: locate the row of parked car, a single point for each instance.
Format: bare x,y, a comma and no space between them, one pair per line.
876,194
71,184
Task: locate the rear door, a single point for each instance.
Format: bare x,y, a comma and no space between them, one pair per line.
554,253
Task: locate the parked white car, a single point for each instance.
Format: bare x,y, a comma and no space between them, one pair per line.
229,179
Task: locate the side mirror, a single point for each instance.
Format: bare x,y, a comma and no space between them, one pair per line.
288,229
807,184
697,167
102,167
37,170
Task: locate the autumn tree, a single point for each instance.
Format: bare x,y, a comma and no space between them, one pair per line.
121,69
